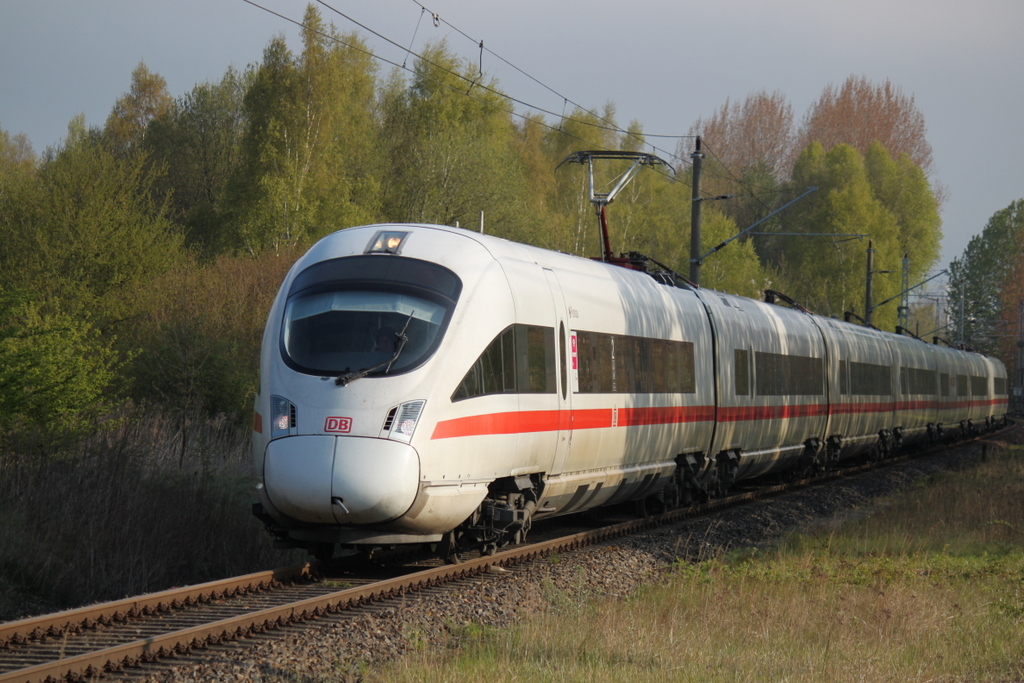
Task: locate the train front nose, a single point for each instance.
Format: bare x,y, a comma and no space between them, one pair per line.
347,480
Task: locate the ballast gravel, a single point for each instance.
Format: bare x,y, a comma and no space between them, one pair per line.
350,646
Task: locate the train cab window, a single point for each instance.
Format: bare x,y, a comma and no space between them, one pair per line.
741,364
520,360
345,315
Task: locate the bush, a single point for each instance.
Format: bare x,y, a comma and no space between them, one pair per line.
200,338
55,371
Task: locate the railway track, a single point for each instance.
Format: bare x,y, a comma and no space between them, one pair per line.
109,637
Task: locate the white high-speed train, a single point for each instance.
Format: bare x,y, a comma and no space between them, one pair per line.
426,384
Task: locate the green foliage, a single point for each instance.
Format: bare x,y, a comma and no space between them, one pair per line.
266,161
147,100
90,234
828,273
736,268
198,145
19,197
81,236
307,165
56,371
452,156
201,333
978,277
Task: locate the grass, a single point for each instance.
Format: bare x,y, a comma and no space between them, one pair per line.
134,510
928,588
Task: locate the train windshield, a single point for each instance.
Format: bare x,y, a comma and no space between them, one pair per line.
347,315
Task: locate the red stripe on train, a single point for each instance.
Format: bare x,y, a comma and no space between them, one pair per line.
549,420
516,422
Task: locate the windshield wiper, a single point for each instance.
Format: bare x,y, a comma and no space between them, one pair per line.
400,343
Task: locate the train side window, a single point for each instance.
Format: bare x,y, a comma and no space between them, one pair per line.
535,359
742,371
999,386
979,386
615,363
944,384
868,379
962,388
596,359
520,360
779,374
917,381
844,378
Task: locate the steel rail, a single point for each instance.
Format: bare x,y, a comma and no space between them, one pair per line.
106,612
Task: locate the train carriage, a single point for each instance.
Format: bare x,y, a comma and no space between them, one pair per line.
917,390
771,365
425,384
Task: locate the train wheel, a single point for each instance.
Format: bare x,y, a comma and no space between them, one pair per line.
448,549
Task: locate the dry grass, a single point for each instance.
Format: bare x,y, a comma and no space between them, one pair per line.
927,589
152,504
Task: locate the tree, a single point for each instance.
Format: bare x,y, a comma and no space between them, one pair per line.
200,333
748,154
18,197
576,230
452,149
758,132
1011,300
92,233
827,274
146,100
901,186
859,113
309,154
977,279
198,143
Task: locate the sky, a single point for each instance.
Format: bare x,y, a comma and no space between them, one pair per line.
664,63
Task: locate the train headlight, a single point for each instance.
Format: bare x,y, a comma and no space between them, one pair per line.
406,417
282,417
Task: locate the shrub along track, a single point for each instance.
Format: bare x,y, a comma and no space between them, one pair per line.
111,636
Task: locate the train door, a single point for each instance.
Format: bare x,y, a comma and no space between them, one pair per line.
564,353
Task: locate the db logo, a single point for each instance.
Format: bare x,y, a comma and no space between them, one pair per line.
340,425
